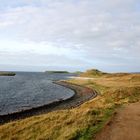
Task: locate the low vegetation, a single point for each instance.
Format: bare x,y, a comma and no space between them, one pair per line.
57,72
92,73
7,74
83,122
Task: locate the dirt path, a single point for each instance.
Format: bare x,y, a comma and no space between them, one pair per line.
125,125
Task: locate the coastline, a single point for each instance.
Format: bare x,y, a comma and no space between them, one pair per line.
82,94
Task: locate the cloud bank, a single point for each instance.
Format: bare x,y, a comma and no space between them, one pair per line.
72,35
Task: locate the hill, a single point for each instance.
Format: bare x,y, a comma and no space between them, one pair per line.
93,73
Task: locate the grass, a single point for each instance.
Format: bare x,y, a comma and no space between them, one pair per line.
90,131
83,122
93,73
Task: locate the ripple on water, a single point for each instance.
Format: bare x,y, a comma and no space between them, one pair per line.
27,90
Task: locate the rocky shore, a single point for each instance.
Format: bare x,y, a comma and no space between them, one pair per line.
82,94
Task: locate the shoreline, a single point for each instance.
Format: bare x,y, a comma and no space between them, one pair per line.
82,94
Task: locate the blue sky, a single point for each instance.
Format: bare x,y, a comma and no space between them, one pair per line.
39,35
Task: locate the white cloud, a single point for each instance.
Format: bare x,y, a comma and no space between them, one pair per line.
100,32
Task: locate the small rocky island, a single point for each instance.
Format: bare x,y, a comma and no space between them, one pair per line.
56,72
7,73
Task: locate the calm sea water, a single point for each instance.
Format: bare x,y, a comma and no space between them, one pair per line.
28,89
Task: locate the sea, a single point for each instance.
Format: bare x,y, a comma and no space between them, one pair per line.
26,90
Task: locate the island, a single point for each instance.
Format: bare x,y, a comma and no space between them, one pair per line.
56,71
7,73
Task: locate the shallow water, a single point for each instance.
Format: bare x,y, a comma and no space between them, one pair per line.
27,90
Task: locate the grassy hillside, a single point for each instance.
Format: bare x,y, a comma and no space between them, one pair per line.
92,73
81,123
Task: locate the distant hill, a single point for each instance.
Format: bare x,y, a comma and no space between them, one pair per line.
135,72
93,73
96,73
78,72
7,74
56,72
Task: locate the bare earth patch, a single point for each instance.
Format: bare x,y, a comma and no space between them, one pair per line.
125,125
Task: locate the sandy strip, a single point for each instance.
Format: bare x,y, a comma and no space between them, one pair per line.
81,78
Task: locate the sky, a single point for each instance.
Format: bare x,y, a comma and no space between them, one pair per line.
73,35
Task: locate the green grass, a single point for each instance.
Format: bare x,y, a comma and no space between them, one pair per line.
94,127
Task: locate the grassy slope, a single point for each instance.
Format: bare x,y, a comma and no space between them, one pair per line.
92,73
83,122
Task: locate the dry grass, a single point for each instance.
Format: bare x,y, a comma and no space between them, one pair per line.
80,123
92,73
